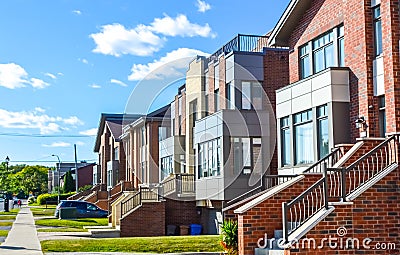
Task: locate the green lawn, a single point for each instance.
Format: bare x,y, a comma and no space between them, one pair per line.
8,217
61,229
42,211
77,223
11,212
6,223
4,232
136,244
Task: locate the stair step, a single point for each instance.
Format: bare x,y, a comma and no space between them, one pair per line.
260,251
105,233
97,227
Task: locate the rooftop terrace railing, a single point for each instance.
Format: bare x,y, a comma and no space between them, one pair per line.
244,43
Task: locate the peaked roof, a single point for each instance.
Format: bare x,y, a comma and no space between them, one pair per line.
114,122
288,22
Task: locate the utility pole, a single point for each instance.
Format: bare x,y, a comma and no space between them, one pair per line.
76,170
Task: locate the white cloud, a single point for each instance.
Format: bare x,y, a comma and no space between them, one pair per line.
39,84
60,74
95,86
57,144
202,6
180,26
89,132
51,75
166,66
118,82
37,119
77,12
83,60
116,40
80,143
144,40
14,76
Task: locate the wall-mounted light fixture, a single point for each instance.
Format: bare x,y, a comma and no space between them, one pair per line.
361,124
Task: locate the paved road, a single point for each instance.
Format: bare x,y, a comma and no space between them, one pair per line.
22,239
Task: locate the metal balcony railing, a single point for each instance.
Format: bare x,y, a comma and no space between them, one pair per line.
246,43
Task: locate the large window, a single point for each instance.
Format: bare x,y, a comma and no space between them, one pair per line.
323,135
323,52
303,132
251,95
377,30
246,154
167,167
285,141
209,158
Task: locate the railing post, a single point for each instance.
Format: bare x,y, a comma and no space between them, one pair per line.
325,174
285,222
238,44
178,184
343,183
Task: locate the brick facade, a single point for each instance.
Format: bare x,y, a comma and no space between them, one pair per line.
148,220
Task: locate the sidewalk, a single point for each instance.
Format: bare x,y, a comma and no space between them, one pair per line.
22,239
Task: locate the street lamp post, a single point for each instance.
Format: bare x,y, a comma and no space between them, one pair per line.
6,200
58,177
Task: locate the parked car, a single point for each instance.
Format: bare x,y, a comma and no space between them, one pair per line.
83,209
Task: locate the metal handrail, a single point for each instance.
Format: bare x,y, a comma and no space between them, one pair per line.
298,211
270,181
131,203
331,159
345,181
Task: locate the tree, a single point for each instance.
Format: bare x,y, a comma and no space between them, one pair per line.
29,179
69,184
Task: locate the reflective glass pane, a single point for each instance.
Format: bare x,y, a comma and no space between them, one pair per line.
304,144
323,138
319,62
246,95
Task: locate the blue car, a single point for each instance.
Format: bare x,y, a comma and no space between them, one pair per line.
83,209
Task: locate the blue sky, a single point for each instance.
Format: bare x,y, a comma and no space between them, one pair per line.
64,62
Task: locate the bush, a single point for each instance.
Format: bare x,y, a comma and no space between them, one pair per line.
86,187
43,198
229,232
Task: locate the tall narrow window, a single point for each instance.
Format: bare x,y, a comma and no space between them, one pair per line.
323,135
285,141
116,153
246,95
382,116
377,30
252,93
323,52
216,100
341,45
303,132
304,62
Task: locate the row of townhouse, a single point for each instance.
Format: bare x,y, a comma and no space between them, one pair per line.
292,134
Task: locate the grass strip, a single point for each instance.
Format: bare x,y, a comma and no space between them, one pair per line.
8,217
42,211
160,244
6,223
4,232
11,212
77,223
62,229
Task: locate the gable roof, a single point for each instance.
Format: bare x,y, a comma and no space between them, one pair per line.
288,22
114,122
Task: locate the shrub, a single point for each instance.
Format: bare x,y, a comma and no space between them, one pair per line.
229,236
86,187
41,199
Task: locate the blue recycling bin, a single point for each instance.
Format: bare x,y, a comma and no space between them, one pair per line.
195,229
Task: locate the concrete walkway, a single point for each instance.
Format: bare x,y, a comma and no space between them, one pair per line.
22,239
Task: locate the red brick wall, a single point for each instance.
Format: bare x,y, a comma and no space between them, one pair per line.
222,83
267,216
391,60
375,215
276,75
211,70
85,175
148,220
152,137
122,163
181,212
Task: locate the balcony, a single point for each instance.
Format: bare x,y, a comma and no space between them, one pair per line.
172,145
330,85
243,43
